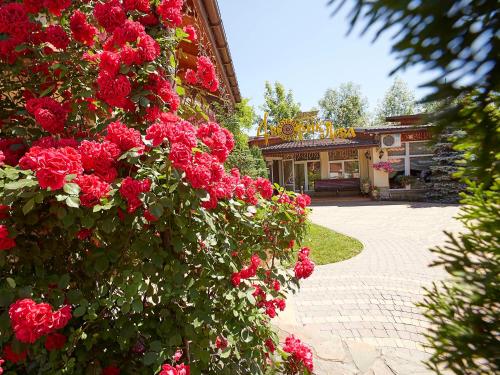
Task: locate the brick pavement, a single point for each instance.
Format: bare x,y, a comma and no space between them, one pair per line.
371,297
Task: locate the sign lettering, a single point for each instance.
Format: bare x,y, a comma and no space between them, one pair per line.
296,130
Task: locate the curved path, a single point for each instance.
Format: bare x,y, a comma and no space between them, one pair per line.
369,300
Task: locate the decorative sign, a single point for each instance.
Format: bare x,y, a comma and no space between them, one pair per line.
295,130
300,156
343,154
421,135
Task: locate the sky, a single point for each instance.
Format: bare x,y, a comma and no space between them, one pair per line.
299,43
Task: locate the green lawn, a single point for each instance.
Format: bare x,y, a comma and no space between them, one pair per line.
328,246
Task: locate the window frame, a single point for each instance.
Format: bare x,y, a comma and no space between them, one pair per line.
407,158
343,167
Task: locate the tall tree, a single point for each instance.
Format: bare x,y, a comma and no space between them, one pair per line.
345,105
399,100
279,103
458,41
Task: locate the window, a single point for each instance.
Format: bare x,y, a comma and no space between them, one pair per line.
420,148
413,160
351,169
344,169
313,173
336,170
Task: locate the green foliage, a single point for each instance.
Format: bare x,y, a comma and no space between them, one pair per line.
345,106
464,313
242,117
279,103
135,283
141,280
398,100
458,41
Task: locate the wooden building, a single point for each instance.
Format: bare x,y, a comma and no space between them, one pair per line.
393,159
205,16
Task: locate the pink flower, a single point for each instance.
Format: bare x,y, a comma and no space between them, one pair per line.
191,31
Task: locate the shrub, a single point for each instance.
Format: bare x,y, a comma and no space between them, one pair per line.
124,244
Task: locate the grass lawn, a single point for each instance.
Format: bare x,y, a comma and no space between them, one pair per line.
328,246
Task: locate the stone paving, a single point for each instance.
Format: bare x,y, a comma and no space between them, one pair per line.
365,307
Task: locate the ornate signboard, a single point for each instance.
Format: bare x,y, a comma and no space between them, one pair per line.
300,156
343,154
296,130
421,135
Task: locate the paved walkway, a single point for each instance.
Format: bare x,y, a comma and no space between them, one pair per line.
362,311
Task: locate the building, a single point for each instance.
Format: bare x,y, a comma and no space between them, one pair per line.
205,16
393,160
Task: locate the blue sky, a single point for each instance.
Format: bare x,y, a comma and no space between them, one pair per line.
299,43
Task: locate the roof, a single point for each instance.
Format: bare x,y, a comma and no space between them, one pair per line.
393,128
415,119
319,145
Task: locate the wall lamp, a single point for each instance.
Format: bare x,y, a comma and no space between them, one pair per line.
380,154
367,155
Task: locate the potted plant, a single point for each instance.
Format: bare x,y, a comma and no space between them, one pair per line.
365,186
375,194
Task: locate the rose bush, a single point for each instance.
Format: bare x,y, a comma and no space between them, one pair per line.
125,245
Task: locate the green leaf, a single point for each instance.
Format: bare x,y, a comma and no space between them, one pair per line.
28,206
19,184
150,358
71,188
180,90
73,202
63,281
137,306
11,282
79,311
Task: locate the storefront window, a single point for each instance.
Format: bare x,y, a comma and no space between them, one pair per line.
313,174
396,177
288,174
420,148
351,169
336,170
409,169
420,170
344,169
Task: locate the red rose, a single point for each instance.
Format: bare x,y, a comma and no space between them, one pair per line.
180,155
221,342
5,242
10,355
55,341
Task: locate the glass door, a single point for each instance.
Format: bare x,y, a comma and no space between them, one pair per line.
313,174
288,175
300,176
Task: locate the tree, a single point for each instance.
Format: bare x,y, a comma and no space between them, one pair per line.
248,160
125,246
398,100
444,186
345,106
464,309
278,103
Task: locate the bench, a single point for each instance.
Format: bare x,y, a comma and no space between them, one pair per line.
337,185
